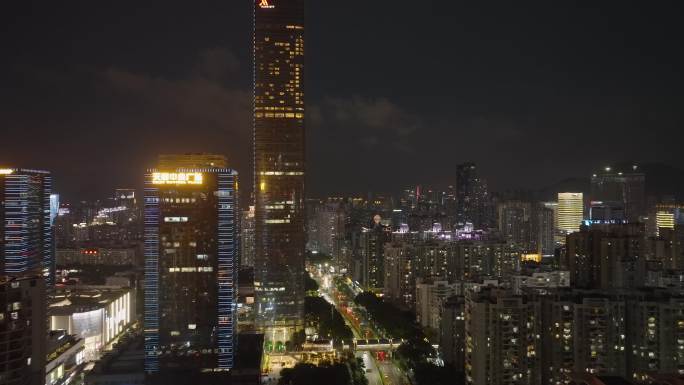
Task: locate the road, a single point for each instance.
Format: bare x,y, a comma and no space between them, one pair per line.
393,375
380,372
373,374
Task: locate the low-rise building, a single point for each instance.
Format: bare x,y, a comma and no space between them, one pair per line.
540,282
96,315
123,365
65,357
429,299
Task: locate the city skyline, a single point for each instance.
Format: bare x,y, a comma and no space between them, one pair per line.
511,77
301,192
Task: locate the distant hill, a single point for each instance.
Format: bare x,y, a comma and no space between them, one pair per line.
550,193
662,180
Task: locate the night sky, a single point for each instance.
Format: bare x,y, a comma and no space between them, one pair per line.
398,92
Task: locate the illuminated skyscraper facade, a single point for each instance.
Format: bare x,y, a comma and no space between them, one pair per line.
191,249
570,212
279,166
25,224
473,201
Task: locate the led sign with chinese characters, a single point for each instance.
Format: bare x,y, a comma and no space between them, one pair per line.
177,178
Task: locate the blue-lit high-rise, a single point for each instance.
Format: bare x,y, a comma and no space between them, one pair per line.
25,224
191,256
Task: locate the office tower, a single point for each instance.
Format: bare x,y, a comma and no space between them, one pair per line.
26,226
279,166
247,238
466,181
191,250
450,203
409,198
606,213
607,256
664,216
624,187
23,333
501,331
473,202
570,212
664,220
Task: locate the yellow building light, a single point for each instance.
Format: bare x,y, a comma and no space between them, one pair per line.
265,4
531,257
664,220
177,178
6,171
570,212
262,186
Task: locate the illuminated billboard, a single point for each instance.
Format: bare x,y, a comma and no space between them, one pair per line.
265,4
177,178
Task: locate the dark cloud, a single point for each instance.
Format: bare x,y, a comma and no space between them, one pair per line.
218,64
396,94
186,106
369,121
120,120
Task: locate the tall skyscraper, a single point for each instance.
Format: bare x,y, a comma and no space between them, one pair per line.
570,212
473,202
25,224
279,167
623,187
191,248
544,228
